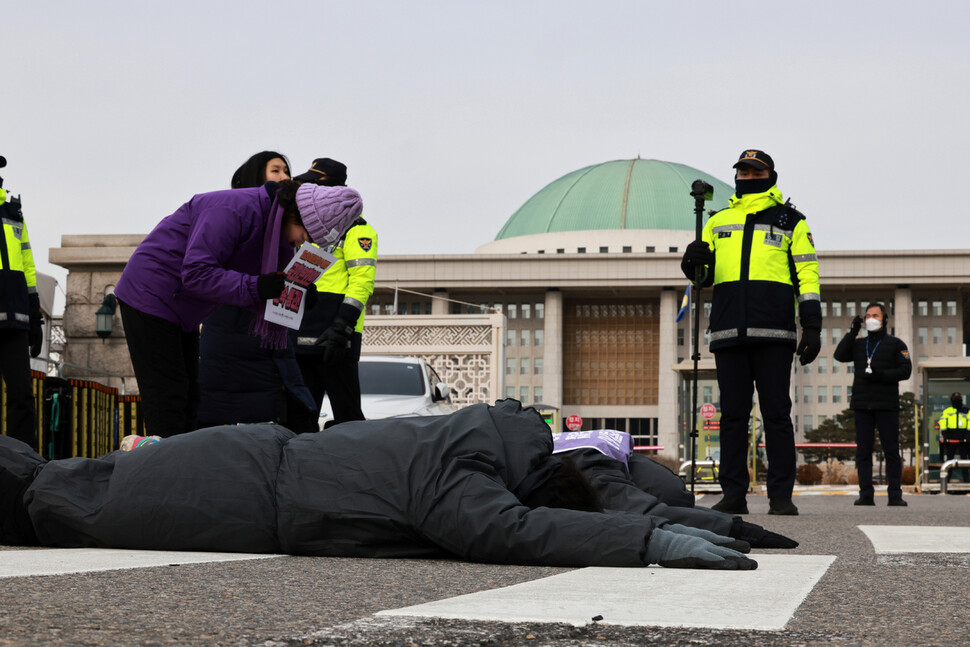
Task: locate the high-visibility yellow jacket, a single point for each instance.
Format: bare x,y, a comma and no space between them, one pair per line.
953,419
764,263
18,278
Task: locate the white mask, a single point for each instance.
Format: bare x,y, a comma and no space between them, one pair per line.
872,325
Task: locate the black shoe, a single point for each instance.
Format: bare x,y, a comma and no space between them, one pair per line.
865,499
782,505
897,501
730,505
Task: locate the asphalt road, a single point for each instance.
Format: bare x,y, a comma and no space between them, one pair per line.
863,598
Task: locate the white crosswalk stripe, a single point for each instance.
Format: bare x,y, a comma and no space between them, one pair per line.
59,561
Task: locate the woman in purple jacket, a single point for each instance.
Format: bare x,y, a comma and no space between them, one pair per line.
224,247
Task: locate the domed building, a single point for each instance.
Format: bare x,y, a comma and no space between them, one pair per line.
625,205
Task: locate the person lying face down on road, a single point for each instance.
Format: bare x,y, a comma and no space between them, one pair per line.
475,485
631,482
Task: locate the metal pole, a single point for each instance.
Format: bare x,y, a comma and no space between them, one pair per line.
701,191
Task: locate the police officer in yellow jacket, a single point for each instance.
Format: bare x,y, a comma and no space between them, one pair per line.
954,427
328,343
20,318
760,257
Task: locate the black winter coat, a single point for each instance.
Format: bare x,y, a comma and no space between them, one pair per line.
239,382
891,365
412,487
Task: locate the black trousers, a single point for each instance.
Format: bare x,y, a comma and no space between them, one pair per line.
15,371
166,363
340,380
887,422
739,371
959,448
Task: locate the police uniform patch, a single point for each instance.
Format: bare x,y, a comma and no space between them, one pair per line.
365,243
905,353
810,239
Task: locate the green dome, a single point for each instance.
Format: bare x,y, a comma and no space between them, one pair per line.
622,194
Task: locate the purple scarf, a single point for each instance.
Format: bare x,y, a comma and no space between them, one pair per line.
618,445
271,335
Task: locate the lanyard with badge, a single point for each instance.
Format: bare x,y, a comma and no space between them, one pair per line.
869,355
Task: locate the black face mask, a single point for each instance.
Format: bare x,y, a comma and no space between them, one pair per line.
956,402
760,185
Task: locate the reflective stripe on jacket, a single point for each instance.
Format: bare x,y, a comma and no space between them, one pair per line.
764,262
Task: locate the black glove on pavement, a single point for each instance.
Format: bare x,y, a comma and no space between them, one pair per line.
672,550
335,340
269,286
809,346
758,537
36,335
856,325
720,540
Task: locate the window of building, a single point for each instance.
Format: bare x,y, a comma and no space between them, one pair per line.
807,391
807,422
836,308
388,308
825,308
540,311
537,366
824,335
796,397
523,366
708,396
951,335
680,336
581,250
807,369
836,367
836,394
672,249
937,308
707,309
416,308
604,250
526,310
509,337
951,307
823,394
650,249
836,335
850,368
539,337
526,334
627,249
510,391
921,335
850,308
823,365
513,311
848,392
510,367
560,250
937,335
707,337
524,394
921,308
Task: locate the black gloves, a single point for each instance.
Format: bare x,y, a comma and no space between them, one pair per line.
312,296
720,540
697,254
758,537
269,286
335,340
856,325
673,550
809,346
36,335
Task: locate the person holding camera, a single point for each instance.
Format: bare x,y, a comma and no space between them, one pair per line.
760,257
21,321
881,363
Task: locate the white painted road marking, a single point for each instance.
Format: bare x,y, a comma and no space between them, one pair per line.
763,599
59,561
918,539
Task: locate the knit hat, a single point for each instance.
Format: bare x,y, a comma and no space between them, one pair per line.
327,211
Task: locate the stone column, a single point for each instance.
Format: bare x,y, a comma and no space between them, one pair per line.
667,434
440,304
902,321
553,350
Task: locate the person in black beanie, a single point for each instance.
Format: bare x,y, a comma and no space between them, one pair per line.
881,363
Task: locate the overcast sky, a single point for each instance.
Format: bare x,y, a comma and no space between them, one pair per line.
450,114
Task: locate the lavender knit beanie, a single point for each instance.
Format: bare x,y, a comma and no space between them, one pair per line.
327,211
